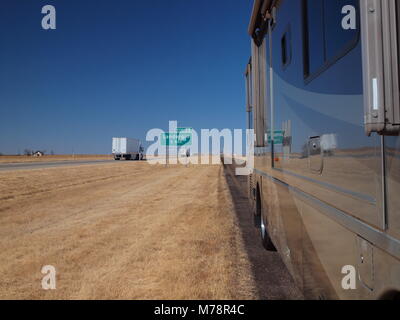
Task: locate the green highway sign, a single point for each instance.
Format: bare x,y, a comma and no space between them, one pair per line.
278,136
182,137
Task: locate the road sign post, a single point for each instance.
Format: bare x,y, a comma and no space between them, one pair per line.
278,137
182,137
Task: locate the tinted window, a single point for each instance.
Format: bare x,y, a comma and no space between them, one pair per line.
337,39
286,48
325,39
314,35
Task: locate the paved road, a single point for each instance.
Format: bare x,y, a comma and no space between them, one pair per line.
45,165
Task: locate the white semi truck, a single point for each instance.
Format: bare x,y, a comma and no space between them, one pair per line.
127,148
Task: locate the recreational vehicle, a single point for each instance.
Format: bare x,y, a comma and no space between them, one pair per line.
323,100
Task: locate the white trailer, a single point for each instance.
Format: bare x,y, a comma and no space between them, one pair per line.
127,148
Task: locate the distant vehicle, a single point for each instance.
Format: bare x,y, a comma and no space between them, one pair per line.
127,148
323,101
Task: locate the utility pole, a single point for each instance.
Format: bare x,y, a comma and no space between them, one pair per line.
167,153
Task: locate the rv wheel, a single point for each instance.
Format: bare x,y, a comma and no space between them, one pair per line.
265,238
257,211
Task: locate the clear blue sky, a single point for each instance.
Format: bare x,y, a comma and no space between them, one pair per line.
119,68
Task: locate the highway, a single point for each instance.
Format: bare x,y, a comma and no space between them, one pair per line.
46,165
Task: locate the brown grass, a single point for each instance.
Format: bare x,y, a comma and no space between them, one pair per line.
121,231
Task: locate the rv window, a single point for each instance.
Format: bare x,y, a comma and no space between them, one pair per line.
325,38
313,36
248,91
338,39
249,103
286,48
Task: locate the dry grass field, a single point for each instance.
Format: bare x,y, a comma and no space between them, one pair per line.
48,158
128,230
